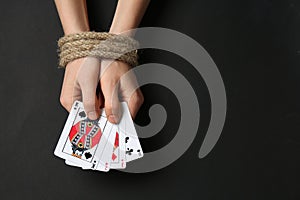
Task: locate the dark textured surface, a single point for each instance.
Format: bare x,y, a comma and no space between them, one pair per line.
256,46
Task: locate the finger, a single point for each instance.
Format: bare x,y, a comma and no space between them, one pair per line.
100,96
67,100
135,102
88,79
131,93
70,91
112,104
91,103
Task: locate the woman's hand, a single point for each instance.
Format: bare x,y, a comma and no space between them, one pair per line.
80,83
82,75
82,78
119,83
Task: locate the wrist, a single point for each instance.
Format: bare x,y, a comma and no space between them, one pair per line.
72,30
124,32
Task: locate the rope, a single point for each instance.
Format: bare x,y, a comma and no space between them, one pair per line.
101,45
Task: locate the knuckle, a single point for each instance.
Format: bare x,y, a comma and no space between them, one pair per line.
108,107
112,108
108,111
89,103
115,108
137,98
64,101
141,98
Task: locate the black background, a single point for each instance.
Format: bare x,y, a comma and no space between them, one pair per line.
256,46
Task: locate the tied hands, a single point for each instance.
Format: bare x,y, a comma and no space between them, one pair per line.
115,80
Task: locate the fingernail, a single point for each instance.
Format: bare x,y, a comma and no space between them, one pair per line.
92,115
113,119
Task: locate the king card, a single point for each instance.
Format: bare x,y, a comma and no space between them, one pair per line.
80,138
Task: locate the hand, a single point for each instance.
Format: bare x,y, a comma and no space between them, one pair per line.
82,75
81,80
117,81
80,83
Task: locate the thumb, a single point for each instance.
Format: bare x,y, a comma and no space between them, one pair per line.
91,103
112,104
88,79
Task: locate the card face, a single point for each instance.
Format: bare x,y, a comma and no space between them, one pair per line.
102,150
133,149
67,162
81,138
108,148
118,160
98,144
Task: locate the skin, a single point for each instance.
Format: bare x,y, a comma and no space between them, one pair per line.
82,76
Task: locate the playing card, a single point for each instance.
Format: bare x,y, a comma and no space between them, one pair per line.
67,162
108,148
98,144
102,165
118,159
81,138
132,144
